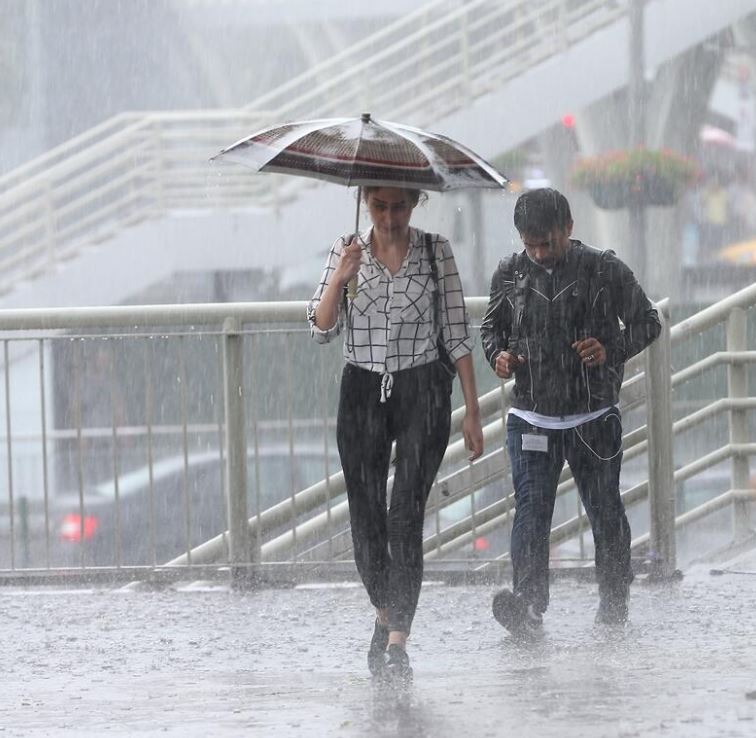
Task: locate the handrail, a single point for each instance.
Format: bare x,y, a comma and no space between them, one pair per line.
202,316
23,172
704,319
210,316
533,27
341,58
458,484
458,479
499,513
713,314
198,314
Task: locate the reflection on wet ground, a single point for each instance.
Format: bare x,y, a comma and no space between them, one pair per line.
292,662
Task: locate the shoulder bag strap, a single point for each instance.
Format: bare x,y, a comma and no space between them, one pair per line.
431,256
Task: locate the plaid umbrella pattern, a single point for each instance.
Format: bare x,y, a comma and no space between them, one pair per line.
362,151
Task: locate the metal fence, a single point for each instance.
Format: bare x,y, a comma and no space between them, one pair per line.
130,434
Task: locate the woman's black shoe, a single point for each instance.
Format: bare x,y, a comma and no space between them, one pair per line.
377,650
397,667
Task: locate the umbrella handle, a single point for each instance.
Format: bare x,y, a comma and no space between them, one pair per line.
352,284
352,288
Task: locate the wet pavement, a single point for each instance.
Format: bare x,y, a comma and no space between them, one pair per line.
200,660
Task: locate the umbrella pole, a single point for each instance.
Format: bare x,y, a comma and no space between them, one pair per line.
352,286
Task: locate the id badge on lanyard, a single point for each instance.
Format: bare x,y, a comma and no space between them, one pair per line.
535,442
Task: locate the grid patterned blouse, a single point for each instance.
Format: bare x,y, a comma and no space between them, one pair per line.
391,323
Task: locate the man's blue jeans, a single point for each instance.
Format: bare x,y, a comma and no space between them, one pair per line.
594,452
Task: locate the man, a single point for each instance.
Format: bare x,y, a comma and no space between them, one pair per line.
553,322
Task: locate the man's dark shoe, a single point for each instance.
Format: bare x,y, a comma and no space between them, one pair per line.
612,610
397,669
516,615
377,651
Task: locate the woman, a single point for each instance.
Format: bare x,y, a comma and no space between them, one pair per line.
394,388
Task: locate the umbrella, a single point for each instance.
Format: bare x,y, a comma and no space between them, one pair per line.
742,252
717,137
361,151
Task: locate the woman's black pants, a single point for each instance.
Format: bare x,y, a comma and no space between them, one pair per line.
388,544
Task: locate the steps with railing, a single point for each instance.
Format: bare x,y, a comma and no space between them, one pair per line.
137,166
420,68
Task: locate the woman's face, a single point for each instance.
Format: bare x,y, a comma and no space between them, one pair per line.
390,210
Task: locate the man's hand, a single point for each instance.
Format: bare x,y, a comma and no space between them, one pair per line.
590,351
506,363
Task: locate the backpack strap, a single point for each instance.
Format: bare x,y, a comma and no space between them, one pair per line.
443,355
596,279
521,282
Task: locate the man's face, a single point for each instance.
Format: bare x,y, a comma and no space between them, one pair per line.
547,249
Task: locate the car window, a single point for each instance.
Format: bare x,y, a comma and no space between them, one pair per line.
163,471
277,473
281,476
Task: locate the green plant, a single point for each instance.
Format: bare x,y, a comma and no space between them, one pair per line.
627,167
619,178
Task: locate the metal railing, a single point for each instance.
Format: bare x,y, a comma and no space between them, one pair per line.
129,397
136,166
655,440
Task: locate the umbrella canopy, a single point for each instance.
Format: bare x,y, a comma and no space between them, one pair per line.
362,151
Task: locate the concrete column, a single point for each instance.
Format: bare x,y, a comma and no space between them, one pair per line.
676,99
636,98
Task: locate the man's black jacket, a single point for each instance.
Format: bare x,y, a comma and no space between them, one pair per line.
587,294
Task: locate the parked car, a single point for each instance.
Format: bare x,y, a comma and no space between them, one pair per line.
183,506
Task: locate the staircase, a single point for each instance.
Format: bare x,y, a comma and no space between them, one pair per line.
481,71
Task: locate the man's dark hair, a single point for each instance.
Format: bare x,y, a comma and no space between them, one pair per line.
538,212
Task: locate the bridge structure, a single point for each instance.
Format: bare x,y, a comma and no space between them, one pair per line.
134,201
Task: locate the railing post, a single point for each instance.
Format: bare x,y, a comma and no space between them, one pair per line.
464,47
23,512
561,29
661,484
158,173
236,452
49,222
737,388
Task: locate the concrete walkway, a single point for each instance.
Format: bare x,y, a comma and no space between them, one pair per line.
204,661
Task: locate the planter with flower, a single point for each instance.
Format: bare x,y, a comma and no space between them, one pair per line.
620,179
